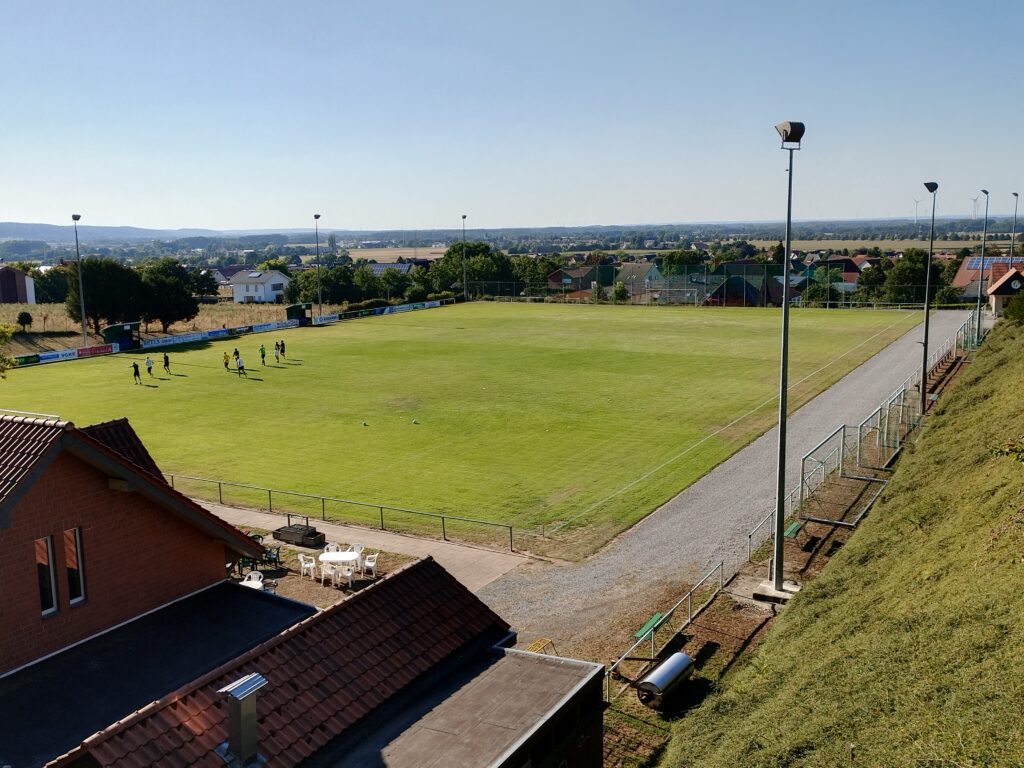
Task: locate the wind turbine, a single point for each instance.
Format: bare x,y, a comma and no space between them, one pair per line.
975,201
916,203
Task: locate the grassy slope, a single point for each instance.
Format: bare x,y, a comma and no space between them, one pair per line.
910,644
527,414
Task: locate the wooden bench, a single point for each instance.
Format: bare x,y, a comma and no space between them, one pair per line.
793,529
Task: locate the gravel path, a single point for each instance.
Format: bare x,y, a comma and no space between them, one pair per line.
708,521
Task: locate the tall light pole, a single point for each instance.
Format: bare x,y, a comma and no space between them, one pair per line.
465,291
791,133
981,283
319,293
1013,232
81,285
932,187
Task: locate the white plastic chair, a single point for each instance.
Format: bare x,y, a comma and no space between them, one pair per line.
328,569
346,573
332,547
254,576
307,563
370,563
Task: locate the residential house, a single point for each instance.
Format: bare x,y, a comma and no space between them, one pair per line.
1005,287
258,287
638,276
16,287
123,637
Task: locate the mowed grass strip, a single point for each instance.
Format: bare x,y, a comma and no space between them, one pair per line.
526,414
906,650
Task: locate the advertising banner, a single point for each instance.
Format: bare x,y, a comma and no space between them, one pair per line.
181,338
64,354
25,360
102,349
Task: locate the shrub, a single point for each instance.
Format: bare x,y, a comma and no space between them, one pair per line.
1014,311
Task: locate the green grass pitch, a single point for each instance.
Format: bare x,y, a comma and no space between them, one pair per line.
585,417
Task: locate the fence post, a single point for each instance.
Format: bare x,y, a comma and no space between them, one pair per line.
444,535
270,500
689,606
721,575
323,508
511,545
382,518
842,451
748,547
220,491
172,480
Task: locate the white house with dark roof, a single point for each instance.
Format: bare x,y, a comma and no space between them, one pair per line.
260,286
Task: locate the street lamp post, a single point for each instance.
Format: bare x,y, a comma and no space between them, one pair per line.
1013,232
981,283
319,293
465,290
75,217
932,187
791,133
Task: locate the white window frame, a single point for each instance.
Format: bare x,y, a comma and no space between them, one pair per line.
53,579
81,568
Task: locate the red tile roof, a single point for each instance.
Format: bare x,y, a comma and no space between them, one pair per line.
29,443
325,674
24,440
119,435
1006,277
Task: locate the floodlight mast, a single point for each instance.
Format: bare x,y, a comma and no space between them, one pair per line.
791,133
76,217
319,293
981,282
933,188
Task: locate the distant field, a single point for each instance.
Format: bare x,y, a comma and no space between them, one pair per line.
585,416
388,254
884,245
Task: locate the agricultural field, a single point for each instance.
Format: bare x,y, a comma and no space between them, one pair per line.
885,245
578,419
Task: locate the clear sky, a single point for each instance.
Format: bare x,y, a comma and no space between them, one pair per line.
253,114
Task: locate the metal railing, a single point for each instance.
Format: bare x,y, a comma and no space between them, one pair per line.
367,508
650,636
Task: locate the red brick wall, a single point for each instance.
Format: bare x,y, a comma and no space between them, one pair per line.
136,557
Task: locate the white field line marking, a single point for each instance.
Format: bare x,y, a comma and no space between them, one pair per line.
718,431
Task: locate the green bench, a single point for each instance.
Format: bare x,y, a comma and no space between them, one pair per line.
793,529
648,625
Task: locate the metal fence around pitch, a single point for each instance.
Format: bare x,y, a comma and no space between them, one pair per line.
674,621
349,512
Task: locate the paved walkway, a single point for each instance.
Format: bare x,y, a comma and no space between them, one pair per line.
708,521
473,566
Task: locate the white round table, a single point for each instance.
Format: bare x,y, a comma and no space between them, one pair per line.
252,584
337,558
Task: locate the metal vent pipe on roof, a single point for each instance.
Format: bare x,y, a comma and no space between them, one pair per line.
242,747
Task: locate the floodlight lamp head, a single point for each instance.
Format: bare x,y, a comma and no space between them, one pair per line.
316,215
76,216
463,217
984,192
791,133
1014,194
931,186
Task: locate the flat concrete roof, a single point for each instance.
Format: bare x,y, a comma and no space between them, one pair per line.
476,716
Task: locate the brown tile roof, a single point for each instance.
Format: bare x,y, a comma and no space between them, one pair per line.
24,440
119,435
29,443
1006,277
325,674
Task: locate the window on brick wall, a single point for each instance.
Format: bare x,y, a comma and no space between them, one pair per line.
44,570
73,565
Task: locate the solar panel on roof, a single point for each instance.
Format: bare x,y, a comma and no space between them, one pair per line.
255,274
974,262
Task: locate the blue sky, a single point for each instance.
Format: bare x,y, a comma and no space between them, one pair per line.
229,114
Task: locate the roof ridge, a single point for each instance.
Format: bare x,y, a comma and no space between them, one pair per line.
11,416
